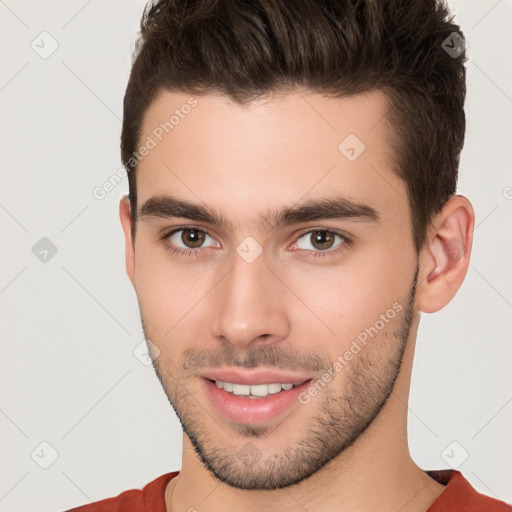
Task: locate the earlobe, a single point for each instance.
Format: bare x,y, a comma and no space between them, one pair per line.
444,259
126,222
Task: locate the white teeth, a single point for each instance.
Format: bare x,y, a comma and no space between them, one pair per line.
274,388
241,389
259,389
254,390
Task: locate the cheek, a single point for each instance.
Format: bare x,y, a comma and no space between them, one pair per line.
174,297
163,290
351,296
328,304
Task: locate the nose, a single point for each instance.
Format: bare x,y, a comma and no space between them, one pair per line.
251,307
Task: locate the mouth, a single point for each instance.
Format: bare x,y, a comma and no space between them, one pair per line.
253,398
255,390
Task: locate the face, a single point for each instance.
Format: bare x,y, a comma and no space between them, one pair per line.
271,250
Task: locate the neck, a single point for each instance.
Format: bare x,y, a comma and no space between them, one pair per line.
375,473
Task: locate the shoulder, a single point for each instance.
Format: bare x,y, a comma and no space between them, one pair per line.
151,495
460,495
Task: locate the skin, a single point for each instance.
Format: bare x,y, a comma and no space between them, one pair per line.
288,308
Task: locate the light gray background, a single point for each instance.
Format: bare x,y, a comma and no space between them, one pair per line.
69,326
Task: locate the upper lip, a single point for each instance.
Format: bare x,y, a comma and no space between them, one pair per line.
255,376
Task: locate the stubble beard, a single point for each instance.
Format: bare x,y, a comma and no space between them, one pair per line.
340,416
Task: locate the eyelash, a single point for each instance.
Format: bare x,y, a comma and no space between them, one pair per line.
347,242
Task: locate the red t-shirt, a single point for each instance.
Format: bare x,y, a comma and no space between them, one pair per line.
459,496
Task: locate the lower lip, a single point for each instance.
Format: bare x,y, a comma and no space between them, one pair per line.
252,411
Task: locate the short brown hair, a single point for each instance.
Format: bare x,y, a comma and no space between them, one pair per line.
248,48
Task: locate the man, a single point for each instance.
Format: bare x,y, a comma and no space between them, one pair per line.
292,211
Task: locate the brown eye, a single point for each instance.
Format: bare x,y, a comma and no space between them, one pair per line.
193,238
319,240
190,238
322,239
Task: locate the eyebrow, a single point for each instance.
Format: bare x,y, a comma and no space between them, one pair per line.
338,208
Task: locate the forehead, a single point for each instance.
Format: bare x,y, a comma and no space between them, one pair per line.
273,151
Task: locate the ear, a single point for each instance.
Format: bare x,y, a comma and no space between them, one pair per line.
126,222
444,259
